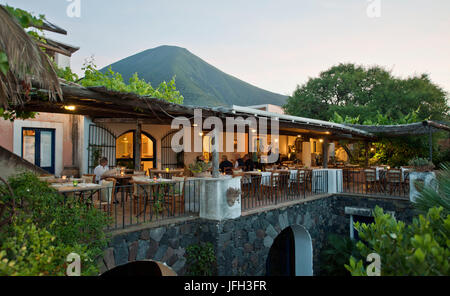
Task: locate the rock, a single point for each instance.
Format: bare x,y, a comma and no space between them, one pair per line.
174,243
169,253
283,221
179,265
143,249
160,253
132,251
260,233
157,234
121,253
270,230
153,247
268,241
108,258
145,235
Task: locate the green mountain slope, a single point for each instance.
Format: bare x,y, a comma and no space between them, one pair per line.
200,83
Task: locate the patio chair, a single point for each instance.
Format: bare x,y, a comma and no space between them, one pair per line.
370,176
88,178
394,180
176,195
298,182
106,194
138,194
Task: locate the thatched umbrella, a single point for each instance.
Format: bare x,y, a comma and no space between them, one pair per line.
28,64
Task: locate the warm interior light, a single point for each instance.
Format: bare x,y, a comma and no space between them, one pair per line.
253,131
321,140
372,149
276,140
70,108
195,125
299,136
200,134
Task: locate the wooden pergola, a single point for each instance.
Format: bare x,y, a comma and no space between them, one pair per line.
107,106
426,127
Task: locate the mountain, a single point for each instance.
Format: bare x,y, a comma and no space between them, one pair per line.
200,83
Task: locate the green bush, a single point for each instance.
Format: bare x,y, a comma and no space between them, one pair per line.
33,251
336,253
65,224
419,249
201,259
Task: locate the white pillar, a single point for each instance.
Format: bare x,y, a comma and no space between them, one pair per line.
306,154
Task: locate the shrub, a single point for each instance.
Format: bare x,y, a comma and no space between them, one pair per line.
65,224
336,253
199,167
421,164
33,251
417,249
430,197
201,259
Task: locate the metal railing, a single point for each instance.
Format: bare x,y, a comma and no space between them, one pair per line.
279,187
367,181
140,202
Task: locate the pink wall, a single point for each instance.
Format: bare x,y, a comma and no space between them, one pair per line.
7,134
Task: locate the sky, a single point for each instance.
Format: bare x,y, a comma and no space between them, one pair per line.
275,45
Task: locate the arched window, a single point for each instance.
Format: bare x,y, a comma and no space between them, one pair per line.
125,150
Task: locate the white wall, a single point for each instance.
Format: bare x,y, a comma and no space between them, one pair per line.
17,138
303,251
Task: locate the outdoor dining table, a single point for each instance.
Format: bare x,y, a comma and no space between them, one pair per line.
82,188
167,173
151,187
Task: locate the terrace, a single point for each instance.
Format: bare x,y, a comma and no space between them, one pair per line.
149,182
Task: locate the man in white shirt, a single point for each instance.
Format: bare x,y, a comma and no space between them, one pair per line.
101,169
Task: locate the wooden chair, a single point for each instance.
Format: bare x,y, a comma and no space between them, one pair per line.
107,194
394,180
370,177
138,194
298,182
88,178
175,195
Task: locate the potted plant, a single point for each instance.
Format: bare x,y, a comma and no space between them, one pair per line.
200,169
421,175
421,165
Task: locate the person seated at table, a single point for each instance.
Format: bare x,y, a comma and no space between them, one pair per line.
101,169
239,163
225,165
249,165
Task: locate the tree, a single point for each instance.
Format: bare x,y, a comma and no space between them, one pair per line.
22,62
419,249
366,93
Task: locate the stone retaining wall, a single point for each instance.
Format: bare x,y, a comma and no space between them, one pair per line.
242,244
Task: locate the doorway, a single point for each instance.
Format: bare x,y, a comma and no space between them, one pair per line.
38,147
125,151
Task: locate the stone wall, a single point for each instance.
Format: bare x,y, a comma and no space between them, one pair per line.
242,245
12,164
